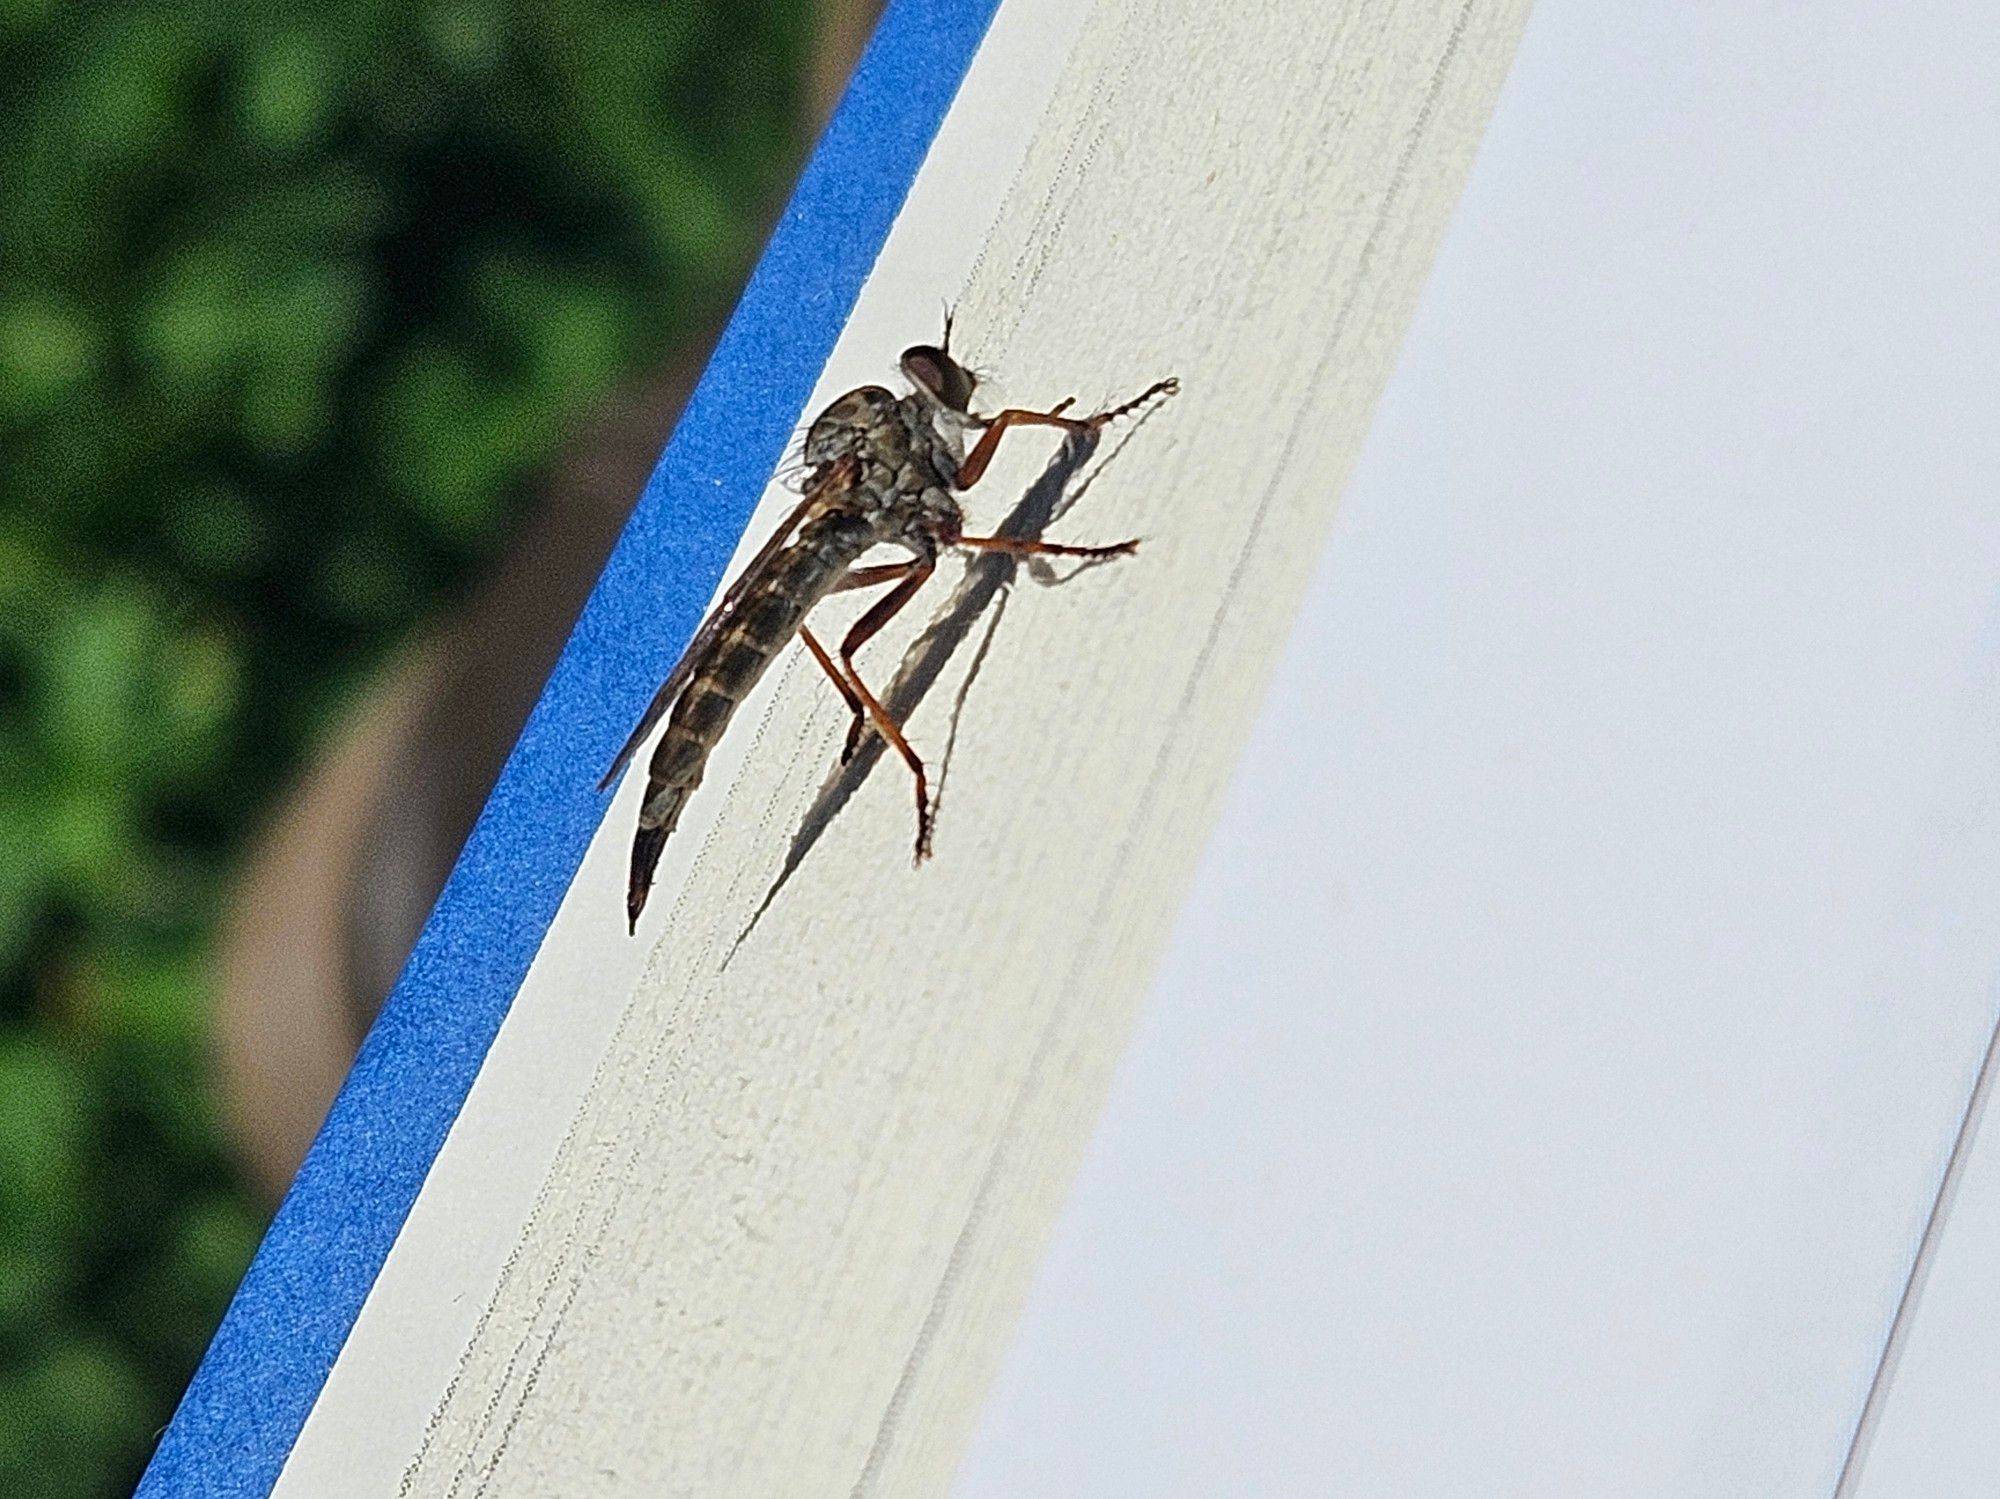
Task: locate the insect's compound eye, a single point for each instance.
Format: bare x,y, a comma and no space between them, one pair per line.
939,376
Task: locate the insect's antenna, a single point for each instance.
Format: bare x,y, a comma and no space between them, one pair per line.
945,342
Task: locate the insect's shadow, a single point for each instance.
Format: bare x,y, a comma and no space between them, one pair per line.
987,584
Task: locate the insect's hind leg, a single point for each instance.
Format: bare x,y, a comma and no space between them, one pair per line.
865,627
859,577
843,687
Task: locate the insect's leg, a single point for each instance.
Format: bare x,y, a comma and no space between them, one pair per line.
981,456
1022,546
982,453
884,610
859,577
841,685
868,577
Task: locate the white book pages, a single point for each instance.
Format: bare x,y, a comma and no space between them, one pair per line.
1556,1064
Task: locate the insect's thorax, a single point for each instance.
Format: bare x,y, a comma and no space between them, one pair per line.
908,457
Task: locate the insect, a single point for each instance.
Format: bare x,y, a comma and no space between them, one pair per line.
882,469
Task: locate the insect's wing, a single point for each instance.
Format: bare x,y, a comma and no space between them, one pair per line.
711,628
662,700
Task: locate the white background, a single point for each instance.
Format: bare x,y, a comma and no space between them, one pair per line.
1560,1050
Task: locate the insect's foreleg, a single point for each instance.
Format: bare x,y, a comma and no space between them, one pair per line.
884,610
1022,546
981,455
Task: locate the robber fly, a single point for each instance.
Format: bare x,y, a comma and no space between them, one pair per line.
882,469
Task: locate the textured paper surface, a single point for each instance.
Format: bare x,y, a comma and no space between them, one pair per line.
780,1238
1560,1048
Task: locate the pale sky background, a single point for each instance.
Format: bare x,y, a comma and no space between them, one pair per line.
1551,1072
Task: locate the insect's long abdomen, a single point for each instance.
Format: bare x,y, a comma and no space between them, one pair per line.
772,607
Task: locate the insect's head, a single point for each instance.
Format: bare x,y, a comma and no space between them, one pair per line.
942,379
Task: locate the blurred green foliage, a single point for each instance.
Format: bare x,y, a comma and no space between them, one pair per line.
296,300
